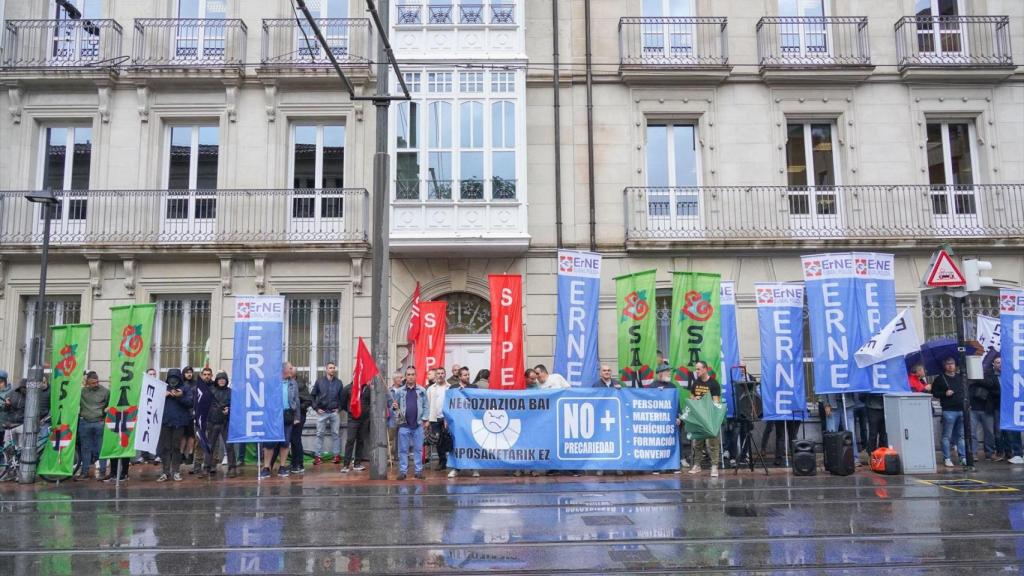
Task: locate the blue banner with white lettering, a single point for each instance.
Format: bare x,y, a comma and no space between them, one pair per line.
875,287
780,311
1011,378
730,343
568,429
257,406
254,544
579,289
832,313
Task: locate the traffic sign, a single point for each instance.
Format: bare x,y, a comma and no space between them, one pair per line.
944,273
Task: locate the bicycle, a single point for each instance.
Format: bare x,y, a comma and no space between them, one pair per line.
10,454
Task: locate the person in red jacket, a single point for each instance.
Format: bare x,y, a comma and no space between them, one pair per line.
917,379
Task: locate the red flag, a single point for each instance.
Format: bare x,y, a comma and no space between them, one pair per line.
414,318
507,332
363,373
430,346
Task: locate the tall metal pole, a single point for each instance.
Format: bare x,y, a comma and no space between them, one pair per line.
961,360
380,298
30,429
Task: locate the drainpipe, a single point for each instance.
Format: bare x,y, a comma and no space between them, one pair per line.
590,128
558,125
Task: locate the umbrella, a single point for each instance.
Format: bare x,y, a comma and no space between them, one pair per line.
932,354
703,418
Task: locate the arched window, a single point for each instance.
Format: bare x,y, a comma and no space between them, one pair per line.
468,314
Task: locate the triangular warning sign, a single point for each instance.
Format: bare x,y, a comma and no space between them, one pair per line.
944,273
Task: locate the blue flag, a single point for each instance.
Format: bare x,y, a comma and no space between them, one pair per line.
257,406
730,343
579,289
1011,379
875,289
780,310
833,316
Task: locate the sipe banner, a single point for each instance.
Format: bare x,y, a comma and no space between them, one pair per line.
131,329
638,339
507,371
730,342
257,408
579,290
780,313
430,341
832,314
70,349
151,413
874,286
696,332
1011,379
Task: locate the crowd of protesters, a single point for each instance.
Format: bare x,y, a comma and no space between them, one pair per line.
417,428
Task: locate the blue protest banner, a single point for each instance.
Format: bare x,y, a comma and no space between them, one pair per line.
254,545
257,406
568,429
780,309
1011,379
579,289
730,342
832,314
875,289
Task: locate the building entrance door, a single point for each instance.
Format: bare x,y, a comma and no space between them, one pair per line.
473,352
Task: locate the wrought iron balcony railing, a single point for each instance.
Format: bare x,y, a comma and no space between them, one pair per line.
813,42
61,44
189,42
498,189
941,41
129,218
285,45
781,213
473,13
673,42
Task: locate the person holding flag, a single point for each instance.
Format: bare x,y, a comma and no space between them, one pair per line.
356,400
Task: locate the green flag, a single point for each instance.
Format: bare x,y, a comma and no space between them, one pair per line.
131,329
70,350
638,339
696,323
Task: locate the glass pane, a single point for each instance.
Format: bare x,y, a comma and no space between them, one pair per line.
334,157
652,8
960,154
188,8
680,8
304,157
77,208
408,166
471,126
181,152
440,125
199,333
504,182
56,154
215,8
685,155
328,324
813,8
923,7
439,173
206,208
936,161
824,160
304,207
332,207
471,166
336,8
206,165
948,8
796,156
408,125
505,116
657,155
299,317
788,8
81,159
177,208
172,320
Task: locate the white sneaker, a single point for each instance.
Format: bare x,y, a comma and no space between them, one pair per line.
476,474
600,472
177,477
679,471
695,469
948,463
1016,460
714,471
453,473
683,464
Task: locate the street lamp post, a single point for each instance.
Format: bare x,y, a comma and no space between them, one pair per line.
30,429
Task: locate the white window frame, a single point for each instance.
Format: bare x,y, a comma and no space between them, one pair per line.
670,40
202,34
60,303
314,368
191,226
337,35
938,33
64,227
952,222
807,49
300,227
676,221
813,219
73,36
186,327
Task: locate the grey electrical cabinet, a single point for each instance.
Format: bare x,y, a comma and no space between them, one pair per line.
908,424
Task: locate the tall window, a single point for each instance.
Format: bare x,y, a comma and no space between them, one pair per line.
804,33
469,140
668,37
938,29
182,332
951,173
200,40
74,42
59,310
312,335
318,171
811,173
332,18
192,159
673,172
67,155
940,320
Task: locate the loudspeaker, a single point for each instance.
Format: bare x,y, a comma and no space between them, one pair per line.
804,463
838,447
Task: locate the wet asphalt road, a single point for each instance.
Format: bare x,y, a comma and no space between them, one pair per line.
328,523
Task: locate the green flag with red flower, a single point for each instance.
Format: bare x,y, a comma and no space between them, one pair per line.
696,329
637,329
131,328
67,367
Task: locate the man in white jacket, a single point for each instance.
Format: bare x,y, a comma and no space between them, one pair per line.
548,381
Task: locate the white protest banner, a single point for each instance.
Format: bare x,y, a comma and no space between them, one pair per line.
988,333
151,412
897,338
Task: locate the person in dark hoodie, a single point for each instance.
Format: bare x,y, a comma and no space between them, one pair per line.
188,442
358,429
217,425
176,419
297,451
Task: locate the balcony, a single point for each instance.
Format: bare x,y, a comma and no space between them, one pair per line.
288,219
191,45
892,216
954,47
285,51
458,215
62,48
673,48
484,29
794,49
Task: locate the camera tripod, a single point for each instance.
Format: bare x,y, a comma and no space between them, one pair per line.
746,423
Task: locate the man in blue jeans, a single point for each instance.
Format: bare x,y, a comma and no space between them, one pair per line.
410,406
948,387
90,423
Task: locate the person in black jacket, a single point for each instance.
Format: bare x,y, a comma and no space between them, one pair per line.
217,425
948,387
188,445
984,411
327,403
358,429
297,451
177,417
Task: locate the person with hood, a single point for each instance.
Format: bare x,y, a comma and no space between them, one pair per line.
327,403
290,403
188,441
177,416
217,425
358,429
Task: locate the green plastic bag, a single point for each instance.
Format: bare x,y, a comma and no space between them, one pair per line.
703,418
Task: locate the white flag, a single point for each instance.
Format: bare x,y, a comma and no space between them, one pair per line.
151,413
988,333
898,338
